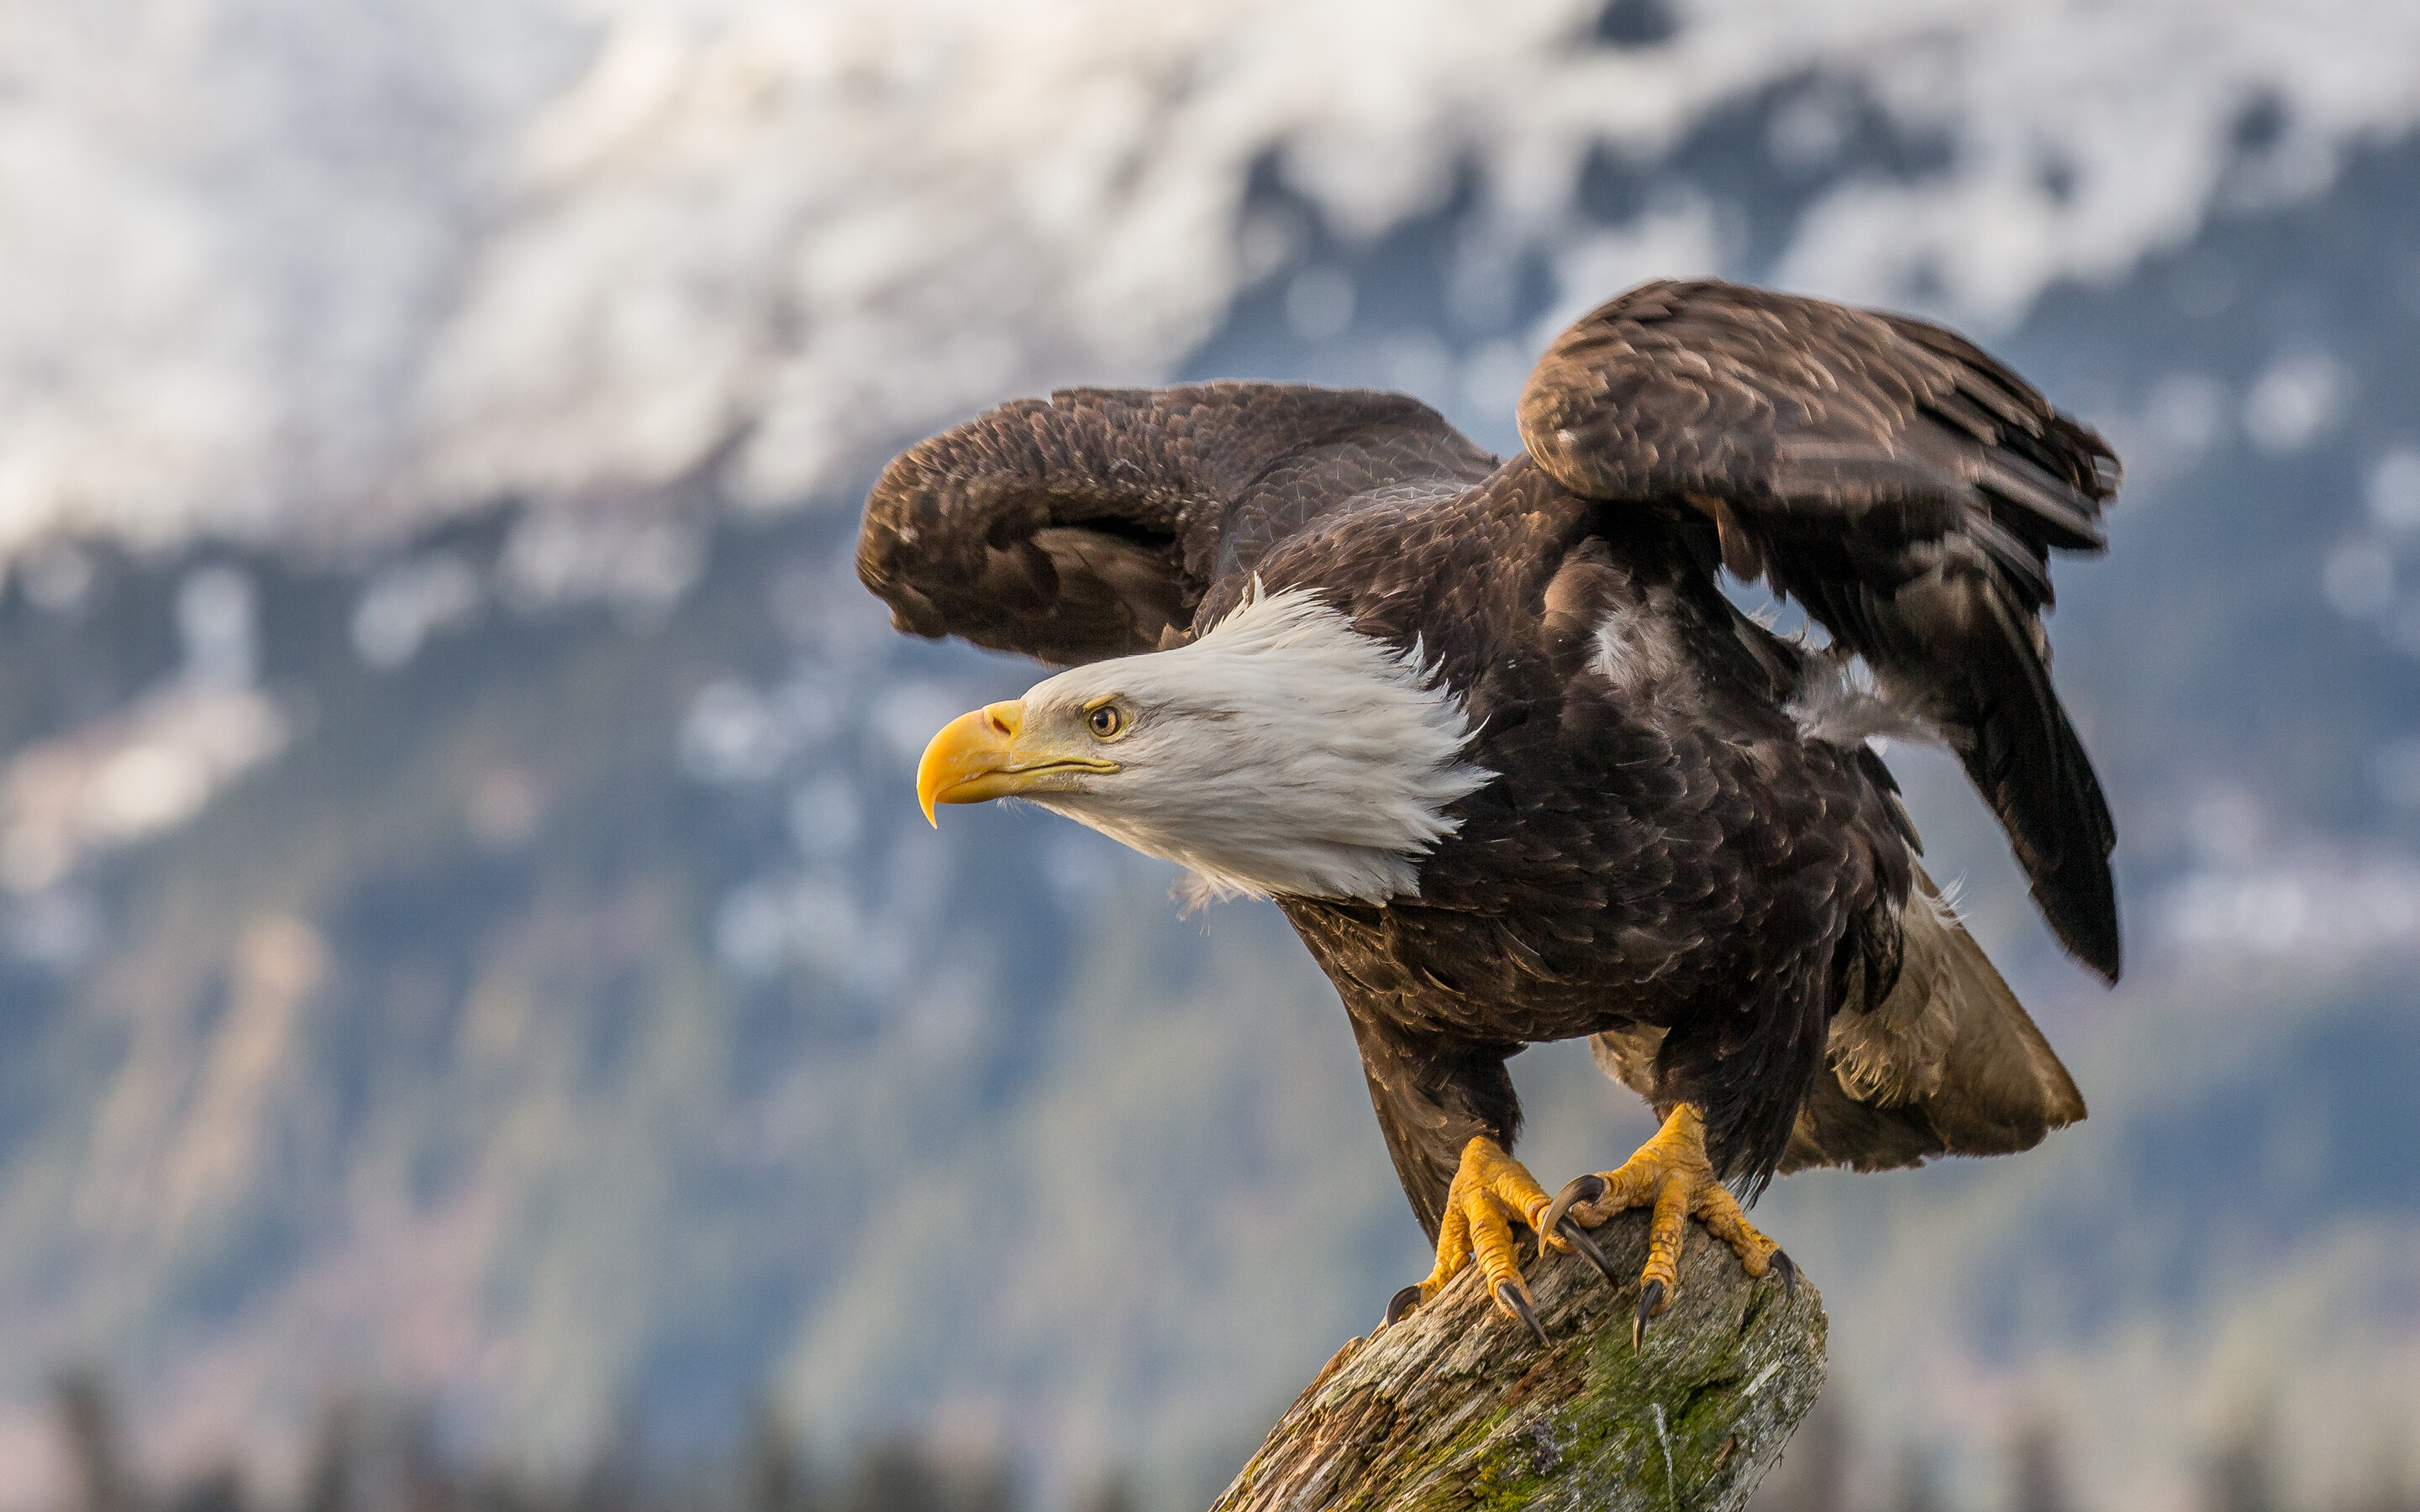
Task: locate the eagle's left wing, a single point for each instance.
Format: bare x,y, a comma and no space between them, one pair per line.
1092,523
1902,485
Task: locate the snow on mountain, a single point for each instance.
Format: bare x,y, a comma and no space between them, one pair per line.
311,270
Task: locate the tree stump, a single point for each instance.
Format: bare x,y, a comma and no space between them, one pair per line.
1459,1406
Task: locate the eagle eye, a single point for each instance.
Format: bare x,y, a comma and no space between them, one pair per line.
1106,722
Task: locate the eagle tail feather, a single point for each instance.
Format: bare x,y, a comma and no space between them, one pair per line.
1949,1064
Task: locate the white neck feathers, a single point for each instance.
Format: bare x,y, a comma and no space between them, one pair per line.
1281,753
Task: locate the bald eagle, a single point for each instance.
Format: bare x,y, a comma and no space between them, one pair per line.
1492,735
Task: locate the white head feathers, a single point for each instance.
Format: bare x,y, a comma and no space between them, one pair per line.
1283,752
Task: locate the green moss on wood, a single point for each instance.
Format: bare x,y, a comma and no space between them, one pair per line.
1458,1410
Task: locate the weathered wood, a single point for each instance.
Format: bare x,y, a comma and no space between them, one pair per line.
1458,1407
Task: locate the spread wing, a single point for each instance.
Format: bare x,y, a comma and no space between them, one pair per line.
1092,523
1902,485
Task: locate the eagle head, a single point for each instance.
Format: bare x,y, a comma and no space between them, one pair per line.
1281,752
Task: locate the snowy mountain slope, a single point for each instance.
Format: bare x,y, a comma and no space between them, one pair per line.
305,272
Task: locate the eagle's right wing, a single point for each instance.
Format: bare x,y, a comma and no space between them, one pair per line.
1092,523
1902,485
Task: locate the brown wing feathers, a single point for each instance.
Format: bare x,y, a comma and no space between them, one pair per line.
1092,523
1046,526
1903,486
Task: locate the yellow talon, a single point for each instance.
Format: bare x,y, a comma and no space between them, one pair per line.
1671,1175
1491,1192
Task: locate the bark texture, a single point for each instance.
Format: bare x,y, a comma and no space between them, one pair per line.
1458,1407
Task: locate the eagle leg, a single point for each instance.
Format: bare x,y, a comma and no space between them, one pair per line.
1671,1175
1491,1193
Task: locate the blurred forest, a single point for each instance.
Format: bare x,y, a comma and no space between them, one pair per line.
366,1460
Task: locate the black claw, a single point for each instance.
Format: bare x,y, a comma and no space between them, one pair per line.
1649,1297
1578,1189
1789,1269
1582,1243
1401,1305
1513,1295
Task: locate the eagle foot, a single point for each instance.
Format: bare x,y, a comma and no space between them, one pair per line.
1491,1193
1671,1175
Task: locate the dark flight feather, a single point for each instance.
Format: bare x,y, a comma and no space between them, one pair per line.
1092,523
1904,487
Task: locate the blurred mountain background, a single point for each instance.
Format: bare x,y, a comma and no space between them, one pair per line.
466,938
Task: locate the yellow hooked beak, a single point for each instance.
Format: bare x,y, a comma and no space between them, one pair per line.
986,754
